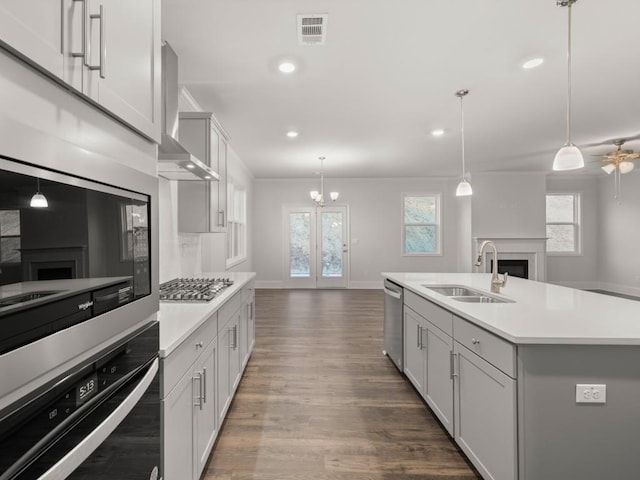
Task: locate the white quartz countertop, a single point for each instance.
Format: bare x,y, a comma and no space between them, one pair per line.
178,320
541,313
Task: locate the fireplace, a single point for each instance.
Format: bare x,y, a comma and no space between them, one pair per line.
54,263
515,268
521,257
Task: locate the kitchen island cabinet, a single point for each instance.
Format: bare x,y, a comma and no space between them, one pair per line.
516,369
201,368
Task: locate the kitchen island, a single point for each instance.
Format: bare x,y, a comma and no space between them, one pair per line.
204,349
543,386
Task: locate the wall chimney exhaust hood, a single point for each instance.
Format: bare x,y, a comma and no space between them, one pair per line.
175,162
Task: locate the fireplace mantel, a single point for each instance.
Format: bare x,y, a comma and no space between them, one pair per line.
533,249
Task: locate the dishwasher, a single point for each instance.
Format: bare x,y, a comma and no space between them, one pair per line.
393,323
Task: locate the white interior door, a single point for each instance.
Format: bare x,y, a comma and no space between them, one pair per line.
316,253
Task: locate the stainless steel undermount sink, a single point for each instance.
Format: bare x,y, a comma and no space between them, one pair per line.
481,299
461,293
454,290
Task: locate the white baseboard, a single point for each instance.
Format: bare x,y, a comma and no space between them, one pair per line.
268,284
367,285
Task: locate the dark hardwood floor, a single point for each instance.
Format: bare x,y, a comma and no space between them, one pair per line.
319,400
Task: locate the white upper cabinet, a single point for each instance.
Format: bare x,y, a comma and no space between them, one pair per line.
33,30
108,51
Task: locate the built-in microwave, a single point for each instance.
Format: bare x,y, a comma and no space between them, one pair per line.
71,249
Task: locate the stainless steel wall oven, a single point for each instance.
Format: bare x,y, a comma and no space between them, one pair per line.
78,333
99,420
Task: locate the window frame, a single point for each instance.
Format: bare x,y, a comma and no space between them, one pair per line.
236,225
577,224
437,225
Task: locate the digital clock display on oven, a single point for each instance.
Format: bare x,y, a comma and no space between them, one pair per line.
86,389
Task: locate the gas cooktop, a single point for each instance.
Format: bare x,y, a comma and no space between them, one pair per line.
193,289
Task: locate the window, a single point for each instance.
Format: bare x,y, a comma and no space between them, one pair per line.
421,224
10,236
236,225
563,223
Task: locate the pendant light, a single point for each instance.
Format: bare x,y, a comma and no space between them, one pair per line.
38,200
318,196
568,157
464,187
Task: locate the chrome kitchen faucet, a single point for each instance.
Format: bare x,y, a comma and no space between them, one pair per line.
496,283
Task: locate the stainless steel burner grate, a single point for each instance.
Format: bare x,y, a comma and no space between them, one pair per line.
193,289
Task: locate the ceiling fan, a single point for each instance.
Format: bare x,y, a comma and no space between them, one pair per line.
620,159
619,162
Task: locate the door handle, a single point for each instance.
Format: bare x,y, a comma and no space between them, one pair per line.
83,52
452,364
103,45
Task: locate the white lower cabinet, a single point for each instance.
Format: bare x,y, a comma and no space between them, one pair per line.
228,363
200,377
205,425
188,406
467,376
428,365
485,413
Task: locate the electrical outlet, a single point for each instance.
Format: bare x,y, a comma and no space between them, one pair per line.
590,393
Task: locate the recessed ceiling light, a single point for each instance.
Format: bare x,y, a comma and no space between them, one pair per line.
190,166
287,67
533,63
438,132
292,134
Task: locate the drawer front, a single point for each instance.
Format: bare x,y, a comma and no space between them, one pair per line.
181,359
228,310
492,348
441,318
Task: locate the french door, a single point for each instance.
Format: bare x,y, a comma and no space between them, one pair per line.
316,254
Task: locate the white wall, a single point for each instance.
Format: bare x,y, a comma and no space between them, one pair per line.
375,208
508,205
579,271
619,228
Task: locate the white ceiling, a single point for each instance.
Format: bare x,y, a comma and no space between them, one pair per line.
369,98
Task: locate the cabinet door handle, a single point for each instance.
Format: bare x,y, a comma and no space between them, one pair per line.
82,53
221,218
475,341
204,385
452,364
235,337
103,45
199,399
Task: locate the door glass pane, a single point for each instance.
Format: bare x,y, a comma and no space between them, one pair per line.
300,244
332,244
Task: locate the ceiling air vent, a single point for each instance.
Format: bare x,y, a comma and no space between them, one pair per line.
312,28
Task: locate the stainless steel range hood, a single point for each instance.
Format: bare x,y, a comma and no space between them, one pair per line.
175,162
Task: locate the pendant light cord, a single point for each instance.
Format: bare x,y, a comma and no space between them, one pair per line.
462,133
569,3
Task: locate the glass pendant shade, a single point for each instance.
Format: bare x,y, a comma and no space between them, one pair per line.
568,157
314,194
609,168
625,167
334,195
464,189
39,201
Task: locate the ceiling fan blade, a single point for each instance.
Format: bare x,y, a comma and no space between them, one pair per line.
610,141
